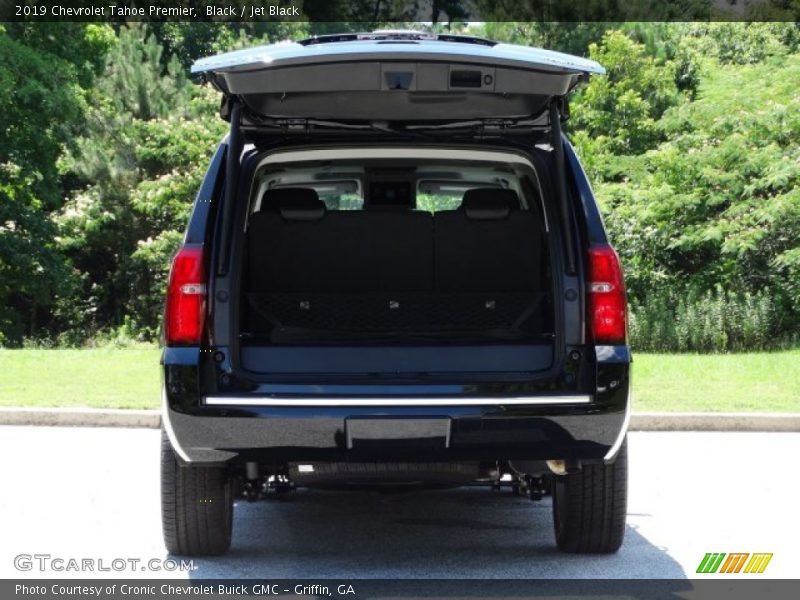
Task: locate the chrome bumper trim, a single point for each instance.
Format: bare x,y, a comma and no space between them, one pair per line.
167,424
612,452
401,402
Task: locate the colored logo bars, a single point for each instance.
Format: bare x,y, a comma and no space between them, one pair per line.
713,563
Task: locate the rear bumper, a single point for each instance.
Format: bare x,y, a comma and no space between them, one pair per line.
476,433
234,427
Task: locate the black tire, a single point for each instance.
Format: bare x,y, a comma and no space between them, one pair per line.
196,506
589,507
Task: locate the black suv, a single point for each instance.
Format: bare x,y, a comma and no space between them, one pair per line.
395,272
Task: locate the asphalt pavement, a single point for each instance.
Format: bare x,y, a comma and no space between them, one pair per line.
93,493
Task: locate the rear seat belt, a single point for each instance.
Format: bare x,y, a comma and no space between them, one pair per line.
527,313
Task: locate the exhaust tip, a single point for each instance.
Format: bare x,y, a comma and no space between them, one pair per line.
563,467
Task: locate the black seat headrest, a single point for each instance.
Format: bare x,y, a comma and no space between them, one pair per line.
489,203
294,203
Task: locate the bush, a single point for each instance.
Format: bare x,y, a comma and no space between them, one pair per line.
715,206
713,321
140,163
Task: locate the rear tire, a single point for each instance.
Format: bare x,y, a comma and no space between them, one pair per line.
196,506
589,507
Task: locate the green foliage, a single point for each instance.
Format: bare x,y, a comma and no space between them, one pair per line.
31,269
83,45
569,37
136,84
714,321
691,142
142,159
719,203
41,105
714,205
620,111
188,41
740,44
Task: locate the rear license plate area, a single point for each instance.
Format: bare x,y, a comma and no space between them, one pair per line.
365,433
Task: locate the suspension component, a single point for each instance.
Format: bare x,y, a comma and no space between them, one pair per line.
532,487
258,485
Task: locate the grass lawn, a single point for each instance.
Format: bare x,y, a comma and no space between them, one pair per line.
758,382
97,377
129,378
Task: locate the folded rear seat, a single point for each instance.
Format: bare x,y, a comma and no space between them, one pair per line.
295,245
320,276
311,270
487,261
488,244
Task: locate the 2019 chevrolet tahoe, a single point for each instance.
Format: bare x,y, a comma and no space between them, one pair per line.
395,272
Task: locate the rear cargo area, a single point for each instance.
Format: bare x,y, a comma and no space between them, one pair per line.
392,287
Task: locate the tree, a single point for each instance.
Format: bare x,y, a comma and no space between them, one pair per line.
83,45
572,38
715,207
187,42
620,110
41,106
149,136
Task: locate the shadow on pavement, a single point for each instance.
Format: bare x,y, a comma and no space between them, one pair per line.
461,533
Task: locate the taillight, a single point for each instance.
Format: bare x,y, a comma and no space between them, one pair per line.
186,297
606,305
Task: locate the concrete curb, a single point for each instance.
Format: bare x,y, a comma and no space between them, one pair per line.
97,417
715,422
80,417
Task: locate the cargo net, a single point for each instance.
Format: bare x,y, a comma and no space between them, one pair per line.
326,317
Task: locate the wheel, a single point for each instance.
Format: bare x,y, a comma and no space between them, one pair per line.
589,507
196,506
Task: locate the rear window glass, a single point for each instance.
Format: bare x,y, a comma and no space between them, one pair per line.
356,185
337,195
436,196
430,197
438,202
342,200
